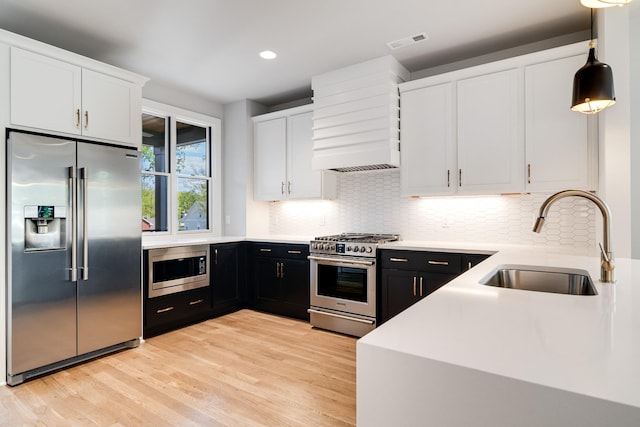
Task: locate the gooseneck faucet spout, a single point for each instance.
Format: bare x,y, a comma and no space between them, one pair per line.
607,260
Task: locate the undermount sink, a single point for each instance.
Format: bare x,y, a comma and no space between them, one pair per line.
541,279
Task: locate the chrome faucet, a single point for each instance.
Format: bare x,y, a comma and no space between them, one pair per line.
607,260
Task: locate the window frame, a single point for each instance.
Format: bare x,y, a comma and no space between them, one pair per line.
213,125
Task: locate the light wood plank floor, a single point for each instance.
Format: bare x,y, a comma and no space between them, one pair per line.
243,369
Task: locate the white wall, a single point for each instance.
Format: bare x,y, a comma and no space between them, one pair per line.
242,216
615,140
634,53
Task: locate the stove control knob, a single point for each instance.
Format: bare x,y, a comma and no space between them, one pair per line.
348,248
369,249
333,247
362,249
314,246
325,246
356,249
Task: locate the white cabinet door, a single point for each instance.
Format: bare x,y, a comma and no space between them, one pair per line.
558,150
109,109
45,92
302,181
58,96
427,147
270,142
490,143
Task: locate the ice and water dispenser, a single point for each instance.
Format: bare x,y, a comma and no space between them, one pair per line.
45,227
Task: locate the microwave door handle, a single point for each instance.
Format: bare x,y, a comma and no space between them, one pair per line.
84,179
74,231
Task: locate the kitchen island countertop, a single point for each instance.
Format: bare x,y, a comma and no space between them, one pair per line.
583,345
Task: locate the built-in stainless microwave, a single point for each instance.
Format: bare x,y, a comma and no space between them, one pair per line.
177,269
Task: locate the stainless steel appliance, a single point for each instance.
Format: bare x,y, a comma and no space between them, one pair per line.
73,252
343,281
177,269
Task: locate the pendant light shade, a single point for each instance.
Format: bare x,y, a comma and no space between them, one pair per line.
593,84
603,3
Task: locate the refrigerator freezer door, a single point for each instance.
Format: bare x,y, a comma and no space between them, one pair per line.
109,286
41,297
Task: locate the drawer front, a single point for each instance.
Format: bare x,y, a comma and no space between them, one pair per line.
439,262
178,306
277,250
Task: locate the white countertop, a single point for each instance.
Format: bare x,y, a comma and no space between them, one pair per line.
584,344
169,241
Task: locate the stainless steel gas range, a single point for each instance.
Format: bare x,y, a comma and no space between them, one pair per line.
343,281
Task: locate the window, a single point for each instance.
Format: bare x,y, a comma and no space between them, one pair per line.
181,190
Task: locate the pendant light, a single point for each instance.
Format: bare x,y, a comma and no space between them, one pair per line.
593,84
603,3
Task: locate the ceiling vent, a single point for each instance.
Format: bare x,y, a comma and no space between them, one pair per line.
407,41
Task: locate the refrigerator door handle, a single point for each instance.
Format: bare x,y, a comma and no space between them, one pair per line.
74,231
84,178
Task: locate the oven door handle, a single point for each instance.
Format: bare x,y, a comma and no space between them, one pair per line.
335,261
339,316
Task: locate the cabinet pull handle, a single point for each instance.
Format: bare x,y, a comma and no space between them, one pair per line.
438,262
289,187
420,286
460,177
78,118
282,188
265,250
469,266
529,173
398,260
216,255
414,286
198,301
164,310
295,252
277,270
448,178
282,270
86,119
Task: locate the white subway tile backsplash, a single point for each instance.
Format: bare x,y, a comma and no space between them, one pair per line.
371,202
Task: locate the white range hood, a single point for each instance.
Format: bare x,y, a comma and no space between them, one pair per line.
356,116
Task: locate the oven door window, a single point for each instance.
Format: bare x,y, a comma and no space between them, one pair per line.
342,282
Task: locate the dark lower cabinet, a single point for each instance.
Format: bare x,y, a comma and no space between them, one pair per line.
280,279
405,277
167,312
227,277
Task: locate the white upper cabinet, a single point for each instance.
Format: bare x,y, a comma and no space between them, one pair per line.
270,157
45,92
59,96
427,150
501,127
283,149
489,137
560,152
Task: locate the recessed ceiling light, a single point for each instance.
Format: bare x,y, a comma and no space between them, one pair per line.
267,54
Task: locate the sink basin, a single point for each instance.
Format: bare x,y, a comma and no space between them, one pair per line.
542,279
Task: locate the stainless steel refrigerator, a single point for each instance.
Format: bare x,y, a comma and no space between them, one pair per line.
73,255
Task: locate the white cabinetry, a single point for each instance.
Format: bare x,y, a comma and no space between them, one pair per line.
59,96
489,137
560,152
428,150
498,128
283,148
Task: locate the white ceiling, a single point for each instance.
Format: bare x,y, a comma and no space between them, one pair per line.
210,48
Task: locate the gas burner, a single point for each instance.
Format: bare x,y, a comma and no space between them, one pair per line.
350,244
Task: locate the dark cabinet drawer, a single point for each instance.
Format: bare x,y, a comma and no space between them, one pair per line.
437,262
174,310
280,250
